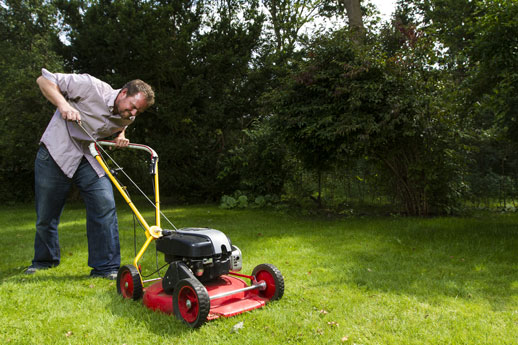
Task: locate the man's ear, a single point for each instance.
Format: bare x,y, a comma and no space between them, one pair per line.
122,94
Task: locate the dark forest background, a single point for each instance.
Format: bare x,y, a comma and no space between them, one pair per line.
309,103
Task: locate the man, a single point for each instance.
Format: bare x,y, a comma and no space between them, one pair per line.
63,159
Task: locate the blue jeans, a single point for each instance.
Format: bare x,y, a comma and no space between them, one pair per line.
52,187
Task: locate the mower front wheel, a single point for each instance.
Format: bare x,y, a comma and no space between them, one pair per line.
191,302
129,284
273,279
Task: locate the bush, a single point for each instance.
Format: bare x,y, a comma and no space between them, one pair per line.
240,200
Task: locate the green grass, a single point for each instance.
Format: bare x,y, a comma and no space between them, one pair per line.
348,281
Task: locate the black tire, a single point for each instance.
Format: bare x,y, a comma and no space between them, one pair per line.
129,284
273,279
191,302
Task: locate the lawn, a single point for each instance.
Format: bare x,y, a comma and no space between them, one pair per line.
357,280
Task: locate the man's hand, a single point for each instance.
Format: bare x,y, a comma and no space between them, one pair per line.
53,94
121,140
69,113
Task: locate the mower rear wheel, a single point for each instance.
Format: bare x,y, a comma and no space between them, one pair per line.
191,302
129,284
273,279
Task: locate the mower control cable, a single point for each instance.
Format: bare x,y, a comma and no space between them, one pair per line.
119,168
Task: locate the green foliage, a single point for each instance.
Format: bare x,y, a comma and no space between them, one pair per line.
345,101
197,55
228,202
240,200
477,41
258,165
248,100
495,63
28,40
286,18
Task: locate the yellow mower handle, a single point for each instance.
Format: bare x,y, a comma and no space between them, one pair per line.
152,232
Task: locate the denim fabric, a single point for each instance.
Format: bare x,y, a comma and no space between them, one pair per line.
52,187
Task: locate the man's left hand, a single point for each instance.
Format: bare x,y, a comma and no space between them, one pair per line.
121,140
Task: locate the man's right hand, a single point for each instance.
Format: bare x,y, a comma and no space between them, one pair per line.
53,94
69,113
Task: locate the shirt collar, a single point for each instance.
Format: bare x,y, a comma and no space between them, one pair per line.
111,100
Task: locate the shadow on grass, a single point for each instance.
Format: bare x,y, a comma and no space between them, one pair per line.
156,322
22,278
11,272
429,259
71,286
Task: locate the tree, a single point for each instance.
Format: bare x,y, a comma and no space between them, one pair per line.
258,164
286,19
346,100
355,16
478,42
197,55
29,37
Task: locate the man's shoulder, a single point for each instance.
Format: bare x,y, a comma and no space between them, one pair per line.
88,83
100,86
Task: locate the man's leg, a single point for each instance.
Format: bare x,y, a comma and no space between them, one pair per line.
101,220
51,187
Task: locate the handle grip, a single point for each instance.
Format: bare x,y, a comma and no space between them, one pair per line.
154,156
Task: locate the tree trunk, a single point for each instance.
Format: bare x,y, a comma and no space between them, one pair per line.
273,8
354,14
319,188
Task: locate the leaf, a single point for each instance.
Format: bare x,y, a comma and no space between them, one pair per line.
237,327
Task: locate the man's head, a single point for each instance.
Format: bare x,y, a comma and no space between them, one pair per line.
134,98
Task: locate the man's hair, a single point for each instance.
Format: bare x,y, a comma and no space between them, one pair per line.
136,86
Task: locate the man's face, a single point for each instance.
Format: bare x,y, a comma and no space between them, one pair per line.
127,106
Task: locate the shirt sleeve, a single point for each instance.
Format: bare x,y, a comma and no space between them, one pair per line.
73,86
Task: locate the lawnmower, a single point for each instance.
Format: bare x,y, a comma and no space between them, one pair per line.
202,280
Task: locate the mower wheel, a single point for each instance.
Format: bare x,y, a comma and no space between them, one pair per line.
191,302
129,284
273,279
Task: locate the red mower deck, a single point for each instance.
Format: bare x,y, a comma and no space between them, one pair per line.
155,298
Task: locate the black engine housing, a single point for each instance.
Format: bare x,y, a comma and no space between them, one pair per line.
200,253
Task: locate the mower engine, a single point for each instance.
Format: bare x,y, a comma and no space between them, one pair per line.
201,282
200,253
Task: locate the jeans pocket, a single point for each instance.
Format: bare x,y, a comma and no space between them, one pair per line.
43,154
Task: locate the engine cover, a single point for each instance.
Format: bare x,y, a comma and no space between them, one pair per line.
194,243
197,252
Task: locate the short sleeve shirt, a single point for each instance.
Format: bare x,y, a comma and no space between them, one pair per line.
66,141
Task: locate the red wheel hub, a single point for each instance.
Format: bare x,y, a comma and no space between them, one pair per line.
126,285
188,304
270,284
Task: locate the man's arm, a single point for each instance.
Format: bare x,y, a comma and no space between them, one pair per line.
53,94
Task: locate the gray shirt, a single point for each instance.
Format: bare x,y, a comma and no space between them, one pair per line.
94,99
